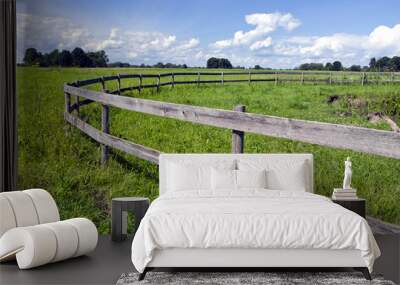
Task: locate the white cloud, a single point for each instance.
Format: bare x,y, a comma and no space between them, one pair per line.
192,43
148,47
261,44
385,37
264,24
349,48
113,41
245,48
47,33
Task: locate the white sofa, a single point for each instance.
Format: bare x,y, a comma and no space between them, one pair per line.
31,231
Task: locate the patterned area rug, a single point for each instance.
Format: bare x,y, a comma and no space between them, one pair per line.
236,278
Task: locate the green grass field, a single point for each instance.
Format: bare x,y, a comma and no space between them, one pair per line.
57,157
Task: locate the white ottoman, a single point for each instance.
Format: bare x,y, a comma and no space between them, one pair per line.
31,232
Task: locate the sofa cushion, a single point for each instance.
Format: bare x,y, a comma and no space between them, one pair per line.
41,244
7,220
23,208
46,207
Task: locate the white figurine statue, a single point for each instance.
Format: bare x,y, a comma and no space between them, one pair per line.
347,174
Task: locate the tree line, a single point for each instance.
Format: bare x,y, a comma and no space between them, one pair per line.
77,57
382,64
157,65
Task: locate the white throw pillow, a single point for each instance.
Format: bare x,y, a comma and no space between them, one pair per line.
282,174
251,178
223,179
228,179
188,177
295,178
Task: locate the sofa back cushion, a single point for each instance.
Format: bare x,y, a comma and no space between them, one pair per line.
283,171
26,208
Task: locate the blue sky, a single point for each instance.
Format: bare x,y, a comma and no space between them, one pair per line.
276,34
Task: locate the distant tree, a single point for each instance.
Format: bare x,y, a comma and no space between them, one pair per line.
32,56
257,66
79,58
311,66
372,64
337,66
224,63
328,66
365,68
45,60
395,63
212,62
54,58
170,65
355,68
65,58
118,64
98,58
383,64
184,66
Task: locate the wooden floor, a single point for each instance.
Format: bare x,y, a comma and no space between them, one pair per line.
103,266
111,259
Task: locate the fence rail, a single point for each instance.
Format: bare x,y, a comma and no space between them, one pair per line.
361,78
384,143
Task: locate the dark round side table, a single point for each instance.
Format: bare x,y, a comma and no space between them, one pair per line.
119,215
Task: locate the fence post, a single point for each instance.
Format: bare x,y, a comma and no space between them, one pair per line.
238,136
140,83
362,78
198,78
67,102
302,78
103,84
173,80
77,84
105,127
249,77
276,78
330,78
158,82
392,77
222,78
119,84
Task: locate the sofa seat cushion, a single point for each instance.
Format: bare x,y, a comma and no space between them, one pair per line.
37,245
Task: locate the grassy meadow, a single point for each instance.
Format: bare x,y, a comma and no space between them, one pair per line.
59,158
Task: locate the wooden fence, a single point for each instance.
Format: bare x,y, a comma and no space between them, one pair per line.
275,77
384,143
